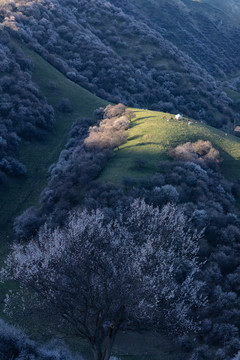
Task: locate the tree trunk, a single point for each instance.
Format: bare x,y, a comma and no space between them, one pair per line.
109,344
102,345
103,351
97,352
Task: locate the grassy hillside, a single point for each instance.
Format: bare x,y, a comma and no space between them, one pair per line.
151,136
38,156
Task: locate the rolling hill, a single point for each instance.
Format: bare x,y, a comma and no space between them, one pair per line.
151,136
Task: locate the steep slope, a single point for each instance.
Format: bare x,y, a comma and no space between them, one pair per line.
208,31
19,194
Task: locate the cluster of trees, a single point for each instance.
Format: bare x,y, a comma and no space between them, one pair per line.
24,112
153,73
199,151
16,345
111,132
86,153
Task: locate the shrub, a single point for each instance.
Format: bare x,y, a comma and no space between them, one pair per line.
199,151
27,224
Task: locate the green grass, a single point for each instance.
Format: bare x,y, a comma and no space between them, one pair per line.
151,137
18,195
146,346
235,96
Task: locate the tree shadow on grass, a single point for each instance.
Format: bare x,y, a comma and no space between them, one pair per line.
144,117
141,144
133,124
134,137
136,122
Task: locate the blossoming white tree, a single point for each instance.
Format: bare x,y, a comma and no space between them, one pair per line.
95,278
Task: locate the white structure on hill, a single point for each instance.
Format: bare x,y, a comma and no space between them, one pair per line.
178,117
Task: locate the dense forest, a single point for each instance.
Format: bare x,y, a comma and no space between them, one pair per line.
207,31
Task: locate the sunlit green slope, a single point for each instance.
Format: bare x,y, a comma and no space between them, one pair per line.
151,136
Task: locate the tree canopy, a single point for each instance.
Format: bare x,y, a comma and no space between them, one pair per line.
94,277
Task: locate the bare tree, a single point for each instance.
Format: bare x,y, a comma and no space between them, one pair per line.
105,138
95,278
111,131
